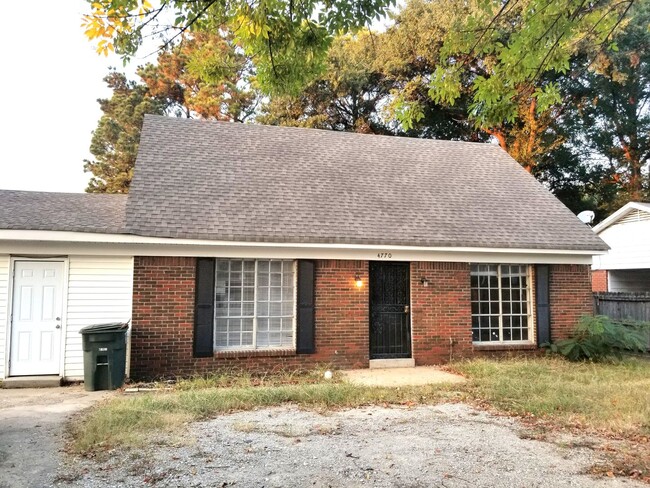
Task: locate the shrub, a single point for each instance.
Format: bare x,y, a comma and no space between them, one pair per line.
599,337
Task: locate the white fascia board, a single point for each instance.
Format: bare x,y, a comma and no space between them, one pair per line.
65,243
620,213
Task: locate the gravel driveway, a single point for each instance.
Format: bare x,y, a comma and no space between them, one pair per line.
450,445
31,432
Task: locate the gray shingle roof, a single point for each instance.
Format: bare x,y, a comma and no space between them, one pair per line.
74,212
235,182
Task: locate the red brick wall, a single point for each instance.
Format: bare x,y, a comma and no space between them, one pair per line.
163,316
570,297
163,321
342,313
599,280
440,311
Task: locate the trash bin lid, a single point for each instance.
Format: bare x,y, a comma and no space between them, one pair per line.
108,327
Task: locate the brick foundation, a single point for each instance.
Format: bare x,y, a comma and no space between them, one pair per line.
599,280
163,317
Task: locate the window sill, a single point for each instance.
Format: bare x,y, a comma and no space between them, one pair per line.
529,346
254,353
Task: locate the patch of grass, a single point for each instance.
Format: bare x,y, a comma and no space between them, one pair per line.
613,398
609,398
239,378
129,420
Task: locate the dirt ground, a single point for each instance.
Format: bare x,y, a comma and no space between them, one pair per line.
451,445
31,427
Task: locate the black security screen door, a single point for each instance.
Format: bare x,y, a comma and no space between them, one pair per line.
390,323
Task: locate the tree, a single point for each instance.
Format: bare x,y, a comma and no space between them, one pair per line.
204,75
114,143
504,64
176,85
347,97
614,108
288,41
519,44
367,73
410,52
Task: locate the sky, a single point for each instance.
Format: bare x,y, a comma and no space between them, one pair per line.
50,81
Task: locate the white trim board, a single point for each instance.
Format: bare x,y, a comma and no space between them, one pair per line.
31,243
513,256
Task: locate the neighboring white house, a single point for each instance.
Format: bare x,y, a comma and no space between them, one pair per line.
57,275
626,267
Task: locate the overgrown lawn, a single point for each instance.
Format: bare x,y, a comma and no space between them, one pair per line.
610,398
613,398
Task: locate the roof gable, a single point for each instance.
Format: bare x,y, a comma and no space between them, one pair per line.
630,212
239,182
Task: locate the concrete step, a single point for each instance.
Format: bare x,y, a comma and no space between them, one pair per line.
392,363
31,382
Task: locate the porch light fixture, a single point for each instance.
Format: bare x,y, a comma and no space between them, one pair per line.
358,281
424,281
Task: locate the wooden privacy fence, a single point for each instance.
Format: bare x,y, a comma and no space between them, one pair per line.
630,306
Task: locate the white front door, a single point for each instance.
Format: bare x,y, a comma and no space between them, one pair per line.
36,318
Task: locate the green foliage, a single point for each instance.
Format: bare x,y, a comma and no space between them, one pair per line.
611,107
346,97
378,82
576,181
288,41
510,47
205,76
599,338
114,143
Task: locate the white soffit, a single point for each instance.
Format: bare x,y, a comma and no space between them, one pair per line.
50,242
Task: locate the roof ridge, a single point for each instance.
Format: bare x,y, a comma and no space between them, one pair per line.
312,130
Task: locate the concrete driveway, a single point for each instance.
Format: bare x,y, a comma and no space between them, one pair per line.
31,432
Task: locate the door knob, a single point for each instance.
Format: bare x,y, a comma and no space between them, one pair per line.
407,309
58,318
58,326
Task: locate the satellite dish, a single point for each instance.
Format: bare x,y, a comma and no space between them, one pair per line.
587,216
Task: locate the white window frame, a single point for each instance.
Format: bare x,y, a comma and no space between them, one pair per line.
254,347
529,299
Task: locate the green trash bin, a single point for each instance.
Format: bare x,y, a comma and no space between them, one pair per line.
104,347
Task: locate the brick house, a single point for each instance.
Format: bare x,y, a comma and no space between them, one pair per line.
270,247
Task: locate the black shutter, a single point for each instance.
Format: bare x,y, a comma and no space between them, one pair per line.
305,342
204,309
542,278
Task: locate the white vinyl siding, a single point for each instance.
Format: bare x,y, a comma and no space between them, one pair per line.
629,280
100,290
4,309
630,246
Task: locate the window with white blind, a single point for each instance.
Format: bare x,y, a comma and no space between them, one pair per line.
254,304
501,303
